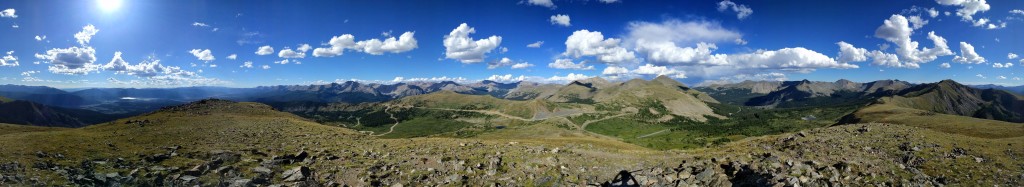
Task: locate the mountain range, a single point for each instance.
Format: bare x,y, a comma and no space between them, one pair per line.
677,98
950,97
785,94
35,114
511,132
1012,89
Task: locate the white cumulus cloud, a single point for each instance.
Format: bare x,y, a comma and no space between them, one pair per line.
232,56
150,69
897,30
916,22
968,8
426,79
8,13
648,69
680,42
742,11
543,3
535,44
508,62
338,44
405,42
560,19
933,13
849,53
298,53
796,59
1011,56
29,73
9,60
567,78
1006,65
506,78
568,64
72,61
1017,11
681,33
265,50
968,55
944,65
459,46
499,63
521,65
613,70
668,53
202,54
584,43
645,70
86,34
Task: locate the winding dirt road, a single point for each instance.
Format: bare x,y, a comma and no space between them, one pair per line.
392,129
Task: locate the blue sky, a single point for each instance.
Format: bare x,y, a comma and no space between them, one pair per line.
693,41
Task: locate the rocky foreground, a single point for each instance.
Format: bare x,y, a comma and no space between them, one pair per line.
854,155
253,147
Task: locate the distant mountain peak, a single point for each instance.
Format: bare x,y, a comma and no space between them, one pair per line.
580,83
950,84
948,81
668,81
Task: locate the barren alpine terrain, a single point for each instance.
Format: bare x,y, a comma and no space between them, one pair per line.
616,93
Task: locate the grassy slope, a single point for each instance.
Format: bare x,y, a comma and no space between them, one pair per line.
15,129
639,93
679,133
252,127
557,133
227,127
984,128
452,100
420,127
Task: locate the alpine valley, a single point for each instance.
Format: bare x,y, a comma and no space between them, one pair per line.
756,133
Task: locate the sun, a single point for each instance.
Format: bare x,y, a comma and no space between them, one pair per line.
109,5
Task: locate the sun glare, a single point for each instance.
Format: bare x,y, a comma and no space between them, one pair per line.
109,5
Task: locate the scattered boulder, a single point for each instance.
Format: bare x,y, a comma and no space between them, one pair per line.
299,173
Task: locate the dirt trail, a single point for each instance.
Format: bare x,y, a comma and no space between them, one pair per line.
392,129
